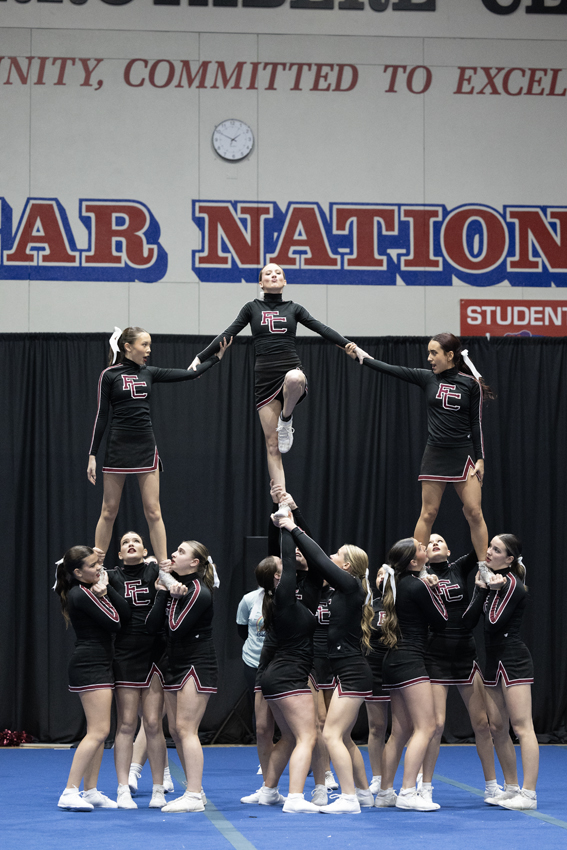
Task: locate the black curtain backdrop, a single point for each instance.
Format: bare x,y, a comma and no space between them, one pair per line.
353,469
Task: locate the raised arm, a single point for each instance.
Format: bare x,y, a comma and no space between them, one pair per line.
285,591
318,561
239,323
305,318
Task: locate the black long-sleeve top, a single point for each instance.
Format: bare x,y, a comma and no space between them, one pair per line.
323,617
503,610
187,617
274,532
454,404
135,584
377,647
453,588
127,387
293,619
346,603
418,606
94,618
273,323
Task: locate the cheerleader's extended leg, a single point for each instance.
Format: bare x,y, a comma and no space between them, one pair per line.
431,494
113,486
149,489
470,494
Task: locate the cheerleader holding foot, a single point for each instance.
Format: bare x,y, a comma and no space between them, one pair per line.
411,604
509,671
126,386
95,611
189,665
280,382
455,450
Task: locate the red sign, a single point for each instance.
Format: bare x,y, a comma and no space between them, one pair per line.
513,318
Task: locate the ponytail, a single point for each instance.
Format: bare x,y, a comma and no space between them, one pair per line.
128,335
265,572
399,558
206,568
450,342
513,547
72,560
358,560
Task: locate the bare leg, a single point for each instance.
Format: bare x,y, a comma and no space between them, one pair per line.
518,700
171,707
414,709
377,725
113,486
402,728
140,750
264,730
149,489
475,701
269,415
432,753
152,708
320,763
500,730
431,493
293,389
341,717
127,703
470,494
96,705
189,710
297,713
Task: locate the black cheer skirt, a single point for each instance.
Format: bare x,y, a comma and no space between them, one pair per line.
353,676
404,667
376,664
90,666
196,660
510,660
136,658
269,375
286,675
321,676
131,452
451,659
446,463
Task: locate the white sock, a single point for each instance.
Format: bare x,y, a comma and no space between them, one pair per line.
123,788
426,786
408,790
511,787
350,797
531,794
295,797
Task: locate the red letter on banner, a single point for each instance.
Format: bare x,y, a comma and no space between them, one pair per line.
113,223
365,241
303,230
222,222
532,229
420,255
41,226
453,239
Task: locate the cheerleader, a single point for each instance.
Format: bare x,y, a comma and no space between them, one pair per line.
349,633
95,610
451,659
455,449
189,665
137,676
411,604
126,386
377,704
280,382
509,671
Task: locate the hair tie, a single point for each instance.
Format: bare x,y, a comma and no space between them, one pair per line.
368,599
470,364
389,577
113,342
57,565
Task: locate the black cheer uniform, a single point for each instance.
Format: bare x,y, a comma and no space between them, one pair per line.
348,665
503,610
95,621
190,652
293,624
451,657
454,417
136,653
377,654
127,387
322,676
273,323
417,607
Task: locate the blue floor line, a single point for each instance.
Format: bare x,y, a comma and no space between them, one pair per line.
479,793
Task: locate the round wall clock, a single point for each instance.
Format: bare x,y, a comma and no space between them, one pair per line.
233,139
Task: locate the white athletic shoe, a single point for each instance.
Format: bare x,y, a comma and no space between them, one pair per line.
168,785
296,803
384,798
364,797
189,802
270,797
203,797
285,435
426,791
520,802
134,775
507,794
252,798
72,801
319,796
345,804
124,798
492,790
98,800
330,781
376,784
409,798
158,797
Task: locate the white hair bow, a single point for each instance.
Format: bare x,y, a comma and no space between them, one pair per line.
57,563
470,364
216,580
113,342
389,577
368,599
520,561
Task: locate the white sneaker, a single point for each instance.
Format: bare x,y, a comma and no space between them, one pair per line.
296,803
345,804
409,798
330,781
285,435
203,797
319,796
385,797
252,798
376,784
270,797
124,798
426,791
364,797
520,802
492,791
189,802
507,794
168,785
98,800
158,797
72,800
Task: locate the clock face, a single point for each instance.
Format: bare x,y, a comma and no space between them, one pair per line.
233,139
